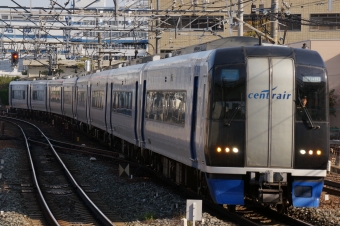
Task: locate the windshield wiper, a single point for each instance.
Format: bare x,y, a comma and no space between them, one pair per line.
233,115
311,124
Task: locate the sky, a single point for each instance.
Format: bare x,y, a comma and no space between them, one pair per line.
44,3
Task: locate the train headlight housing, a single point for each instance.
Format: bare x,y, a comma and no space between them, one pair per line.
310,152
318,152
219,149
227,150
303,152
235,150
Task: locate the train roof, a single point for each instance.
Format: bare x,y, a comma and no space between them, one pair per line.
239,54
39,82
70,81
168,62
226,42
19,82
55,82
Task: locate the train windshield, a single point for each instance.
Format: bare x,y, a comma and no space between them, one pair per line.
310,93
229,92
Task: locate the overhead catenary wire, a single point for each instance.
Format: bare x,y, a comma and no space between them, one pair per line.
200,8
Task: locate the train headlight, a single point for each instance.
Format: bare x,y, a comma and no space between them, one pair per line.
310,152
227,150
318,152
235,150
219,149
303,152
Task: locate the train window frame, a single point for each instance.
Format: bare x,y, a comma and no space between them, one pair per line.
55,94
18,95
81,99
122,102
38,95
225,109
316,101
169,107
97,99
67,97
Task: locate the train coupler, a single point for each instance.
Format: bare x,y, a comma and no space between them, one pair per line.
270,196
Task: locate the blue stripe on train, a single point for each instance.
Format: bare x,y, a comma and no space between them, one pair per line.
227,191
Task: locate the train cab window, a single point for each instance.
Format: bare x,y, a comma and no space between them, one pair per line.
81,99
55,93
67,97
310,93
122,102
18,94
38,95
229,92
166,106
97,99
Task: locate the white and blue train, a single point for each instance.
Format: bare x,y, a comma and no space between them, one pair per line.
233,123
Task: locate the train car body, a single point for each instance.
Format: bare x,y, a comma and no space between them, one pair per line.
252,120
175,91
69,97
125,90
38,95
98,100
82,95
54,96
19,94
261,134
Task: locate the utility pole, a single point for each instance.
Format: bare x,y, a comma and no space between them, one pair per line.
158,33
100,49
240,16
274,21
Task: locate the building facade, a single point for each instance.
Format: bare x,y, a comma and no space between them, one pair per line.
298,20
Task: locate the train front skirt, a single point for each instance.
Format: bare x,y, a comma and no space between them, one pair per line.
227,191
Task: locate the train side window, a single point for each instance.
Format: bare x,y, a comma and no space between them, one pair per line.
122,102
55,92
97,99
18,94
38,95
310,93
229,92
166,106
67,97
81,98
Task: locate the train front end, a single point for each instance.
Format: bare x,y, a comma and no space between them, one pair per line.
268,133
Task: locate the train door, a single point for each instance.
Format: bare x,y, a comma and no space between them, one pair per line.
110,107
135,113
193,120
62,100
106,107
75,102
29,96
88,103
143,113
10,94
270,112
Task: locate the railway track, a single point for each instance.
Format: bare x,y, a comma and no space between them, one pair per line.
61,199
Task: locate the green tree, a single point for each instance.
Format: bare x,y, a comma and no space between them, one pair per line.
58,71
44,72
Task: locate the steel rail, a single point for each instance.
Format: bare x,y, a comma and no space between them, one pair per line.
101,216
42,200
